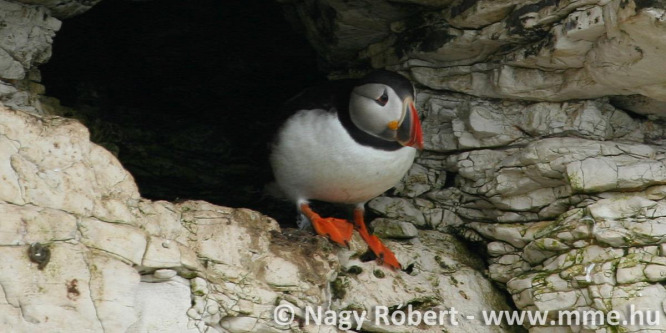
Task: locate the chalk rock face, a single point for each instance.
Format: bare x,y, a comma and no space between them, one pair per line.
82,251
26,38
528,50
62,9
570,207
544,134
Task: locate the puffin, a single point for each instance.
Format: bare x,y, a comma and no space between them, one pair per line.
347,142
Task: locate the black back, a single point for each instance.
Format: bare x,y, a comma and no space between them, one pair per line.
333,96
400,84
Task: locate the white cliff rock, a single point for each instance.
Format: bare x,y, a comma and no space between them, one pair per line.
110,260
26,36
534,150
560,191
542,158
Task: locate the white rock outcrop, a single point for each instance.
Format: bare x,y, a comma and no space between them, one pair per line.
82,251
544,133
568,197
545,149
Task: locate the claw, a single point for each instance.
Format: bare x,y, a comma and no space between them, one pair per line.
337,230
384,255
340,231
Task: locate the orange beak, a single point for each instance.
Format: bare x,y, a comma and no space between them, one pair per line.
409,132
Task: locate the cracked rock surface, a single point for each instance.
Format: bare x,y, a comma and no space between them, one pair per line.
27,29
544,133
567,197
117,262
545,150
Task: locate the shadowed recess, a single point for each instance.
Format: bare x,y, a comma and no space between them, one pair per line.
185,94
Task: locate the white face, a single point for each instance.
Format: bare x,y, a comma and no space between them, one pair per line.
376,109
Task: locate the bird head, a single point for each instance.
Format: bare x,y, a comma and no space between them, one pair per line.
382,104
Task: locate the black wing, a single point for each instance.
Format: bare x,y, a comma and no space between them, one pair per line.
331,96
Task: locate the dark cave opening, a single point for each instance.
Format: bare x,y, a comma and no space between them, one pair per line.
184,93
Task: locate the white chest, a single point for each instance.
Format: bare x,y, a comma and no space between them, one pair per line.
315,158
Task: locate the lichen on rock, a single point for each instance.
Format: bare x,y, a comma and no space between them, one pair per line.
542,186
544,130
122,263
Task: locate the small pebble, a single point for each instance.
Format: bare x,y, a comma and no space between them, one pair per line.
164,274
39,254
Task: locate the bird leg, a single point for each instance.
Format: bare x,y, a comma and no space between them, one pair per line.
338,230
384,255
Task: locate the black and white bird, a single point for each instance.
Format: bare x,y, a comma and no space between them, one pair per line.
347,143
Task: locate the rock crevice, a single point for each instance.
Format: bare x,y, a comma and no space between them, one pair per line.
119,262
544,133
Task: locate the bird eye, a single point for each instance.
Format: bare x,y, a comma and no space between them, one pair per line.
383,99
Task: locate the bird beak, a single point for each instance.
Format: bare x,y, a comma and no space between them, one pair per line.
409,131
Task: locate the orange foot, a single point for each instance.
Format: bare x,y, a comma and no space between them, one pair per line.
337,230
384,255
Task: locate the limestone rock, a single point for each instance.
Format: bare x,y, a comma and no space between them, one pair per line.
443,277
113,261
339,29
63,9
162,307
395,207
533,150
393,229
546,51
571,39
545,162
26,36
